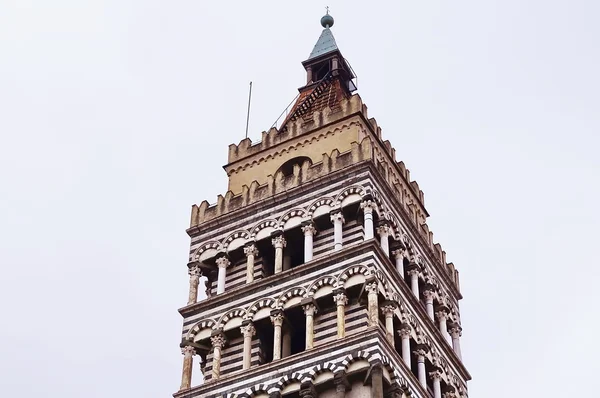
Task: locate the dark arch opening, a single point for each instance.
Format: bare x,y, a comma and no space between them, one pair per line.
288,167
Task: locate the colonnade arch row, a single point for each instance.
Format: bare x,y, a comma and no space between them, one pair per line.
293,218
351,276
360,360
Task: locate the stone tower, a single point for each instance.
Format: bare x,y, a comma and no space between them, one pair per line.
322,277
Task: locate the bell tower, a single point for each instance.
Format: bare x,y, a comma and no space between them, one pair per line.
320,275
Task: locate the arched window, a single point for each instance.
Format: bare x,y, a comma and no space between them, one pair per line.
288,167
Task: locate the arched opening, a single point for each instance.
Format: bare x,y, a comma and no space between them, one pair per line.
287,169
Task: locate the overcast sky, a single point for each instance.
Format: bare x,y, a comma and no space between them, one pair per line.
115,117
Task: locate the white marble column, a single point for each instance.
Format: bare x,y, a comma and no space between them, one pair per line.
341,300
421,372
338,221
218,342
309,232
428,294
368,206
222,263
248,331
384,233
414,281
388,309
310,310
194,272
436,376
399,257
279,243
186,376
277,319
455,332
372,289
442,316
251,252
404,333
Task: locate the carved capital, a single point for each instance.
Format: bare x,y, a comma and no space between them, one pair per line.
429,295
442,315
341,381
250,250
279,242
337,217
218,340
309,309
248,330
340,299
309,229
372,287
277,317
404,331
384,230
223,262
436,374
368,206
188,351
388,309
455,331
412,272
399,254
194,271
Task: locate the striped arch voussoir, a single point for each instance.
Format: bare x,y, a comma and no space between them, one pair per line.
321,368
262,303
291,214
213,244
318,203
355,189
356,356
353,270
235,313
262,225
235,235
289,379
203,324
260,388
291,293
319,283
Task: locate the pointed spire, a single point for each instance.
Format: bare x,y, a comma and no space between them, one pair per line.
326,42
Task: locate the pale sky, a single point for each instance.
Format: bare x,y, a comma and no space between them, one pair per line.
115,117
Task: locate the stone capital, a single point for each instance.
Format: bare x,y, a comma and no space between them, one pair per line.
428,294
341,381
436,374
441,314
194,270
368,206
340,298
217,339
404,331
248,329
455,331
388,308
307,390
279,241
372,287
309,229
250,249
188,351
413,271
222,261
384,230
275,394
277,317
399,253
310,306
337,216
421,350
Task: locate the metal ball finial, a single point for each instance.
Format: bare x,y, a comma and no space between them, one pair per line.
327,20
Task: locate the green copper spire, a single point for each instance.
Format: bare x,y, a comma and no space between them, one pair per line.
326,42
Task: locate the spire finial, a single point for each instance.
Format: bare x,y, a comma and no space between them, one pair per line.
327,20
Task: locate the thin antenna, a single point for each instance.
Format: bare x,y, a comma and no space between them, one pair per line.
248,116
